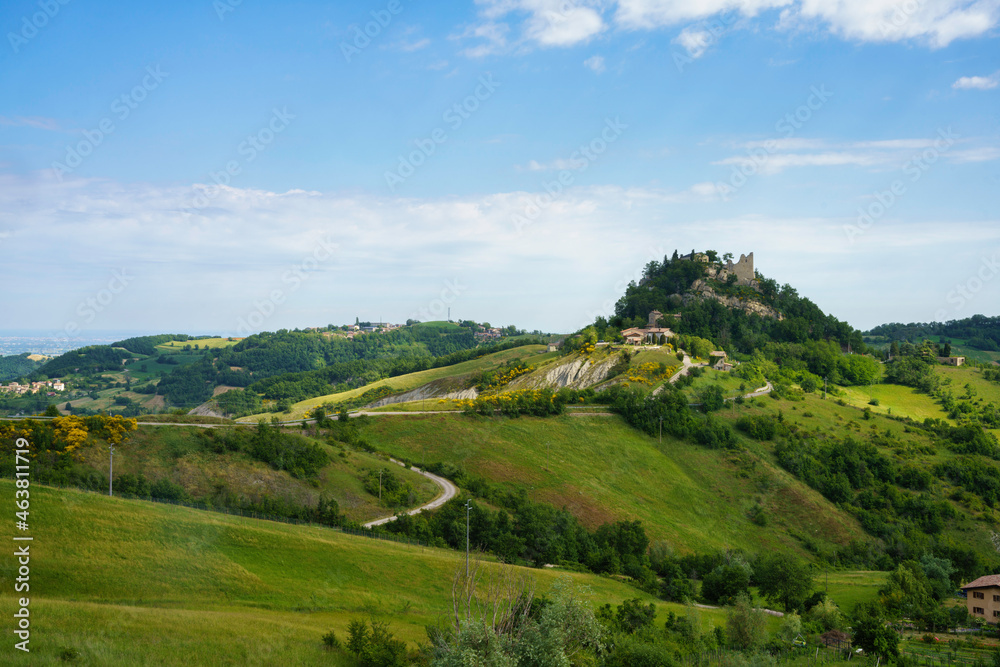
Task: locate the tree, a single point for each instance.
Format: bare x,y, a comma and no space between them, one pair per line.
790,628
907,590
783,579
711,398
727,581
744,624
319,414
872,631
52,410
827,614
939,572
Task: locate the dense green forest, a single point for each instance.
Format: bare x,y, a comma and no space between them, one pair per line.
147,344
16,366
978,331
85,360
286,366
663,284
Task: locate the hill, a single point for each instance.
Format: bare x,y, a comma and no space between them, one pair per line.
976,337
602,470
16,366
300,475
730,303
270,371
124,582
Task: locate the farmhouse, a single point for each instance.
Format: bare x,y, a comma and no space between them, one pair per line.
651,333
719,360
952,361
983,597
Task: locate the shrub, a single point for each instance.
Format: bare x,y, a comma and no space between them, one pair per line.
330,641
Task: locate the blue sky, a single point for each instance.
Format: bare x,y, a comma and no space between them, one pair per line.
223,166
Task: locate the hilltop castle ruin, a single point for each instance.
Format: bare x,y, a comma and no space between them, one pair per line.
743,269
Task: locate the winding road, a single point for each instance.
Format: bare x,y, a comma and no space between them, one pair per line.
448,491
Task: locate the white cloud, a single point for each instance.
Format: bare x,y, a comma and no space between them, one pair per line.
649,14
560,23
695,41
37,122
977,82
935,23
981,154
772,156
595,63
207,269
546,23
492,36
409,47
555,165
777,162
706,189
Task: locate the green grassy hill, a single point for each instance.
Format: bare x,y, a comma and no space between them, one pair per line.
123,582
183,456
602,470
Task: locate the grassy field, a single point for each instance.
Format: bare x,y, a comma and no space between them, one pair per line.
847,588
602,470
411,381
901,401
729,383
125,582
202,343
178,454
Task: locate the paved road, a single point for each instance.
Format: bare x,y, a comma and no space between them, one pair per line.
769,612
448,491
763,391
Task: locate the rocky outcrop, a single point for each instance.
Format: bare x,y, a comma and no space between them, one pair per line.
702,290
209,409
439,389
579,373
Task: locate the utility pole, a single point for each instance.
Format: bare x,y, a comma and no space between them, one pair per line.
548,457
824,388
111,470
380,485
468,509
661,430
